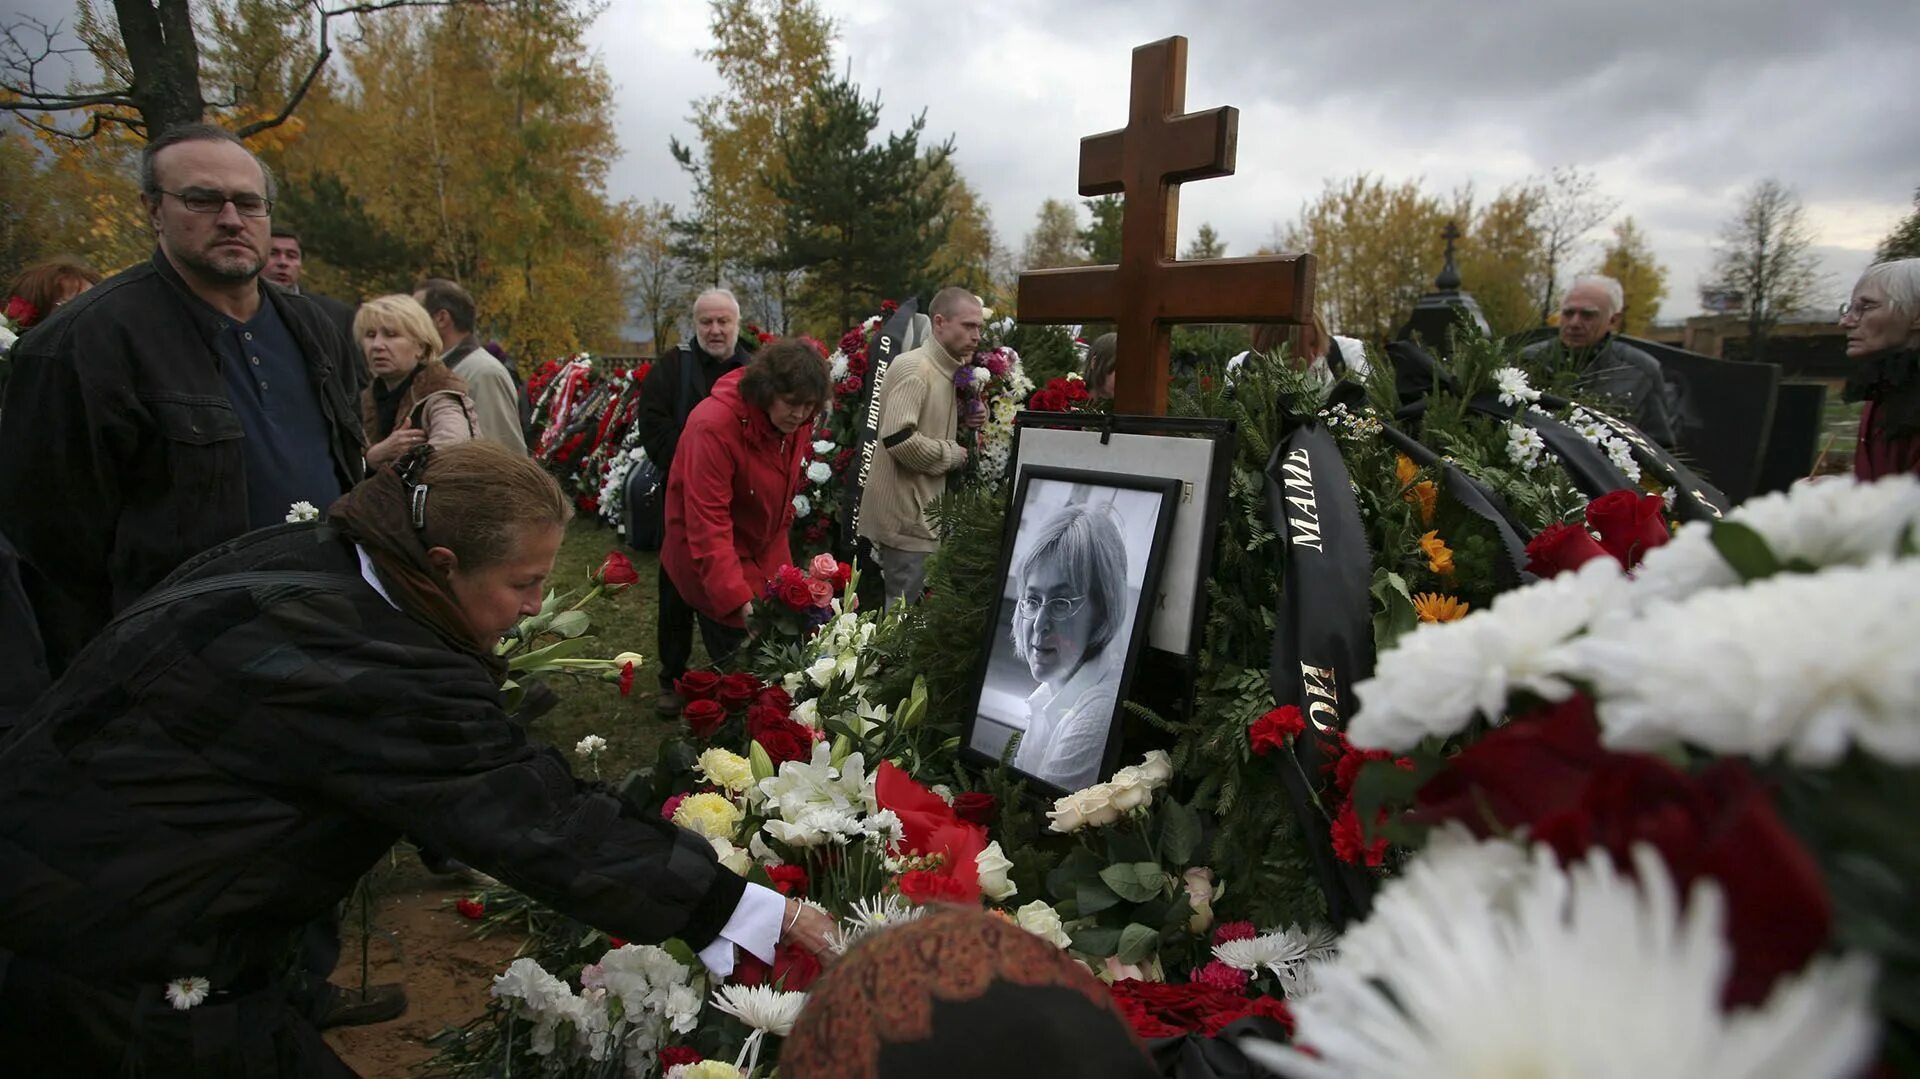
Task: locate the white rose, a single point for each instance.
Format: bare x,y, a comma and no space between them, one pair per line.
792,681
819,472
802,505
1200,892
823,446
1129,790
1043,922
821,670
1157,768
731,856
1089,808
807,712
992,864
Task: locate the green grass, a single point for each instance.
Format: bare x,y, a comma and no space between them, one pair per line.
622,623
1839,429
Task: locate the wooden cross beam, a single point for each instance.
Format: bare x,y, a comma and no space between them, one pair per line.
1148,292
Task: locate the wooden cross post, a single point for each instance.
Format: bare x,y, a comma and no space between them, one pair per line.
1159,149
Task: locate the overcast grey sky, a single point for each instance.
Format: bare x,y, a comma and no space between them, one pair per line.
1677,106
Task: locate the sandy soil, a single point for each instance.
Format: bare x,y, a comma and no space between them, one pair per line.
419,941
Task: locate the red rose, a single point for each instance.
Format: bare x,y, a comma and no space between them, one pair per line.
795,591
22,313
857,365
626,679
616,571
617,942
788,879
470,909
1630,524
1551,775
843,576
736,690
1273,730
1048,400
697,685
704,717
888,307
782,738
977,807
774,697
794,969
1560,547
673,1055
852,384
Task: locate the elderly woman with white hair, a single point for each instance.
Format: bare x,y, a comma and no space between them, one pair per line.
1072,606
1882,321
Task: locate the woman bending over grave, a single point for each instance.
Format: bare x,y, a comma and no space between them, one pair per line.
1072,604
230,755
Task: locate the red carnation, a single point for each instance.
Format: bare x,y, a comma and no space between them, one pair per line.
736,690
616,571
470,909
1350,846
674,1055
1227,931
977,807
788,879
924,887
1221,976
888,307
1273,730
704,717
697,685
1561,547
1630,524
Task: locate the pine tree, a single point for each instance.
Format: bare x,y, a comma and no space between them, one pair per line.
865,219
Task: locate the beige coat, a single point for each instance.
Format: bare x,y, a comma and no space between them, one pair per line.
919,415
495,404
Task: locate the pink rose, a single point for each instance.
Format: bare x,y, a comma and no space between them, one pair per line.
822,592
823,568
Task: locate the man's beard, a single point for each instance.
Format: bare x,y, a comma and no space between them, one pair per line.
224,265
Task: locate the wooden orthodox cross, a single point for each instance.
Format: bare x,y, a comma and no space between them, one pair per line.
1148,292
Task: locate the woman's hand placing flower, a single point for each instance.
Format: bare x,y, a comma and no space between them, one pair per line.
809,929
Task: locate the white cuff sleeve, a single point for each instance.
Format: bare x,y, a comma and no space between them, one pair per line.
755,926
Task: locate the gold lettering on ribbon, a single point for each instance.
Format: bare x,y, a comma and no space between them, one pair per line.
1324,700
1652,455
1296,477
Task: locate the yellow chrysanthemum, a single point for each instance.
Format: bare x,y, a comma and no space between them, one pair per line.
1438,607
1439,555
709,814
724,769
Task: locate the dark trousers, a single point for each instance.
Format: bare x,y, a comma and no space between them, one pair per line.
674,634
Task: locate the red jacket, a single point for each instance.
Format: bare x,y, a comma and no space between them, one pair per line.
730,502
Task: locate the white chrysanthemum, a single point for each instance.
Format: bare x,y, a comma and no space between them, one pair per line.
1279,950
184,993
1439,676
815,827
869,915
302,511
705,1069
884,828
1621,455
819,471
1525,447
1513,388
761,1007
1831,523
837,366
1806,665
590,745
1545,986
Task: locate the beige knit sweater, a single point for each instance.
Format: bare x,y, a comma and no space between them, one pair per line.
918,417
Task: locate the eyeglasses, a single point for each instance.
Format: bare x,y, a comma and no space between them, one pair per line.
1859,310
1058,608
212,202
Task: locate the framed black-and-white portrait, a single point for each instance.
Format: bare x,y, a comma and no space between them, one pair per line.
1079,569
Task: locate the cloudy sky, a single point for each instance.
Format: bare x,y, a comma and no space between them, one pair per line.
1677,106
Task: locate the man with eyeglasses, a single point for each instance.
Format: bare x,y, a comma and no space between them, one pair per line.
1608,367
176,405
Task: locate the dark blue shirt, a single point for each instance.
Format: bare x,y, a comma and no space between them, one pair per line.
286,448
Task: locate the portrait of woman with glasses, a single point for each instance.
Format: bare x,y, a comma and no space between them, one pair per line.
1068,614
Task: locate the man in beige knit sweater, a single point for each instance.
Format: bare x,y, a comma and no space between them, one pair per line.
919,416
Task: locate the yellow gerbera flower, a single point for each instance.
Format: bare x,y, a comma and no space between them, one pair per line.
1438,607
1439,555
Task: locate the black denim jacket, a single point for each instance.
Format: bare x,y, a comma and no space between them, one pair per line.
120,454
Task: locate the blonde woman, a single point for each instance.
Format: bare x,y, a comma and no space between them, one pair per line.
413,397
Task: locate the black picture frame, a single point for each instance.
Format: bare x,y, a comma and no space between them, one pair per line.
1005,677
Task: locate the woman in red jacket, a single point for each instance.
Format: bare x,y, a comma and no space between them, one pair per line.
730,492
